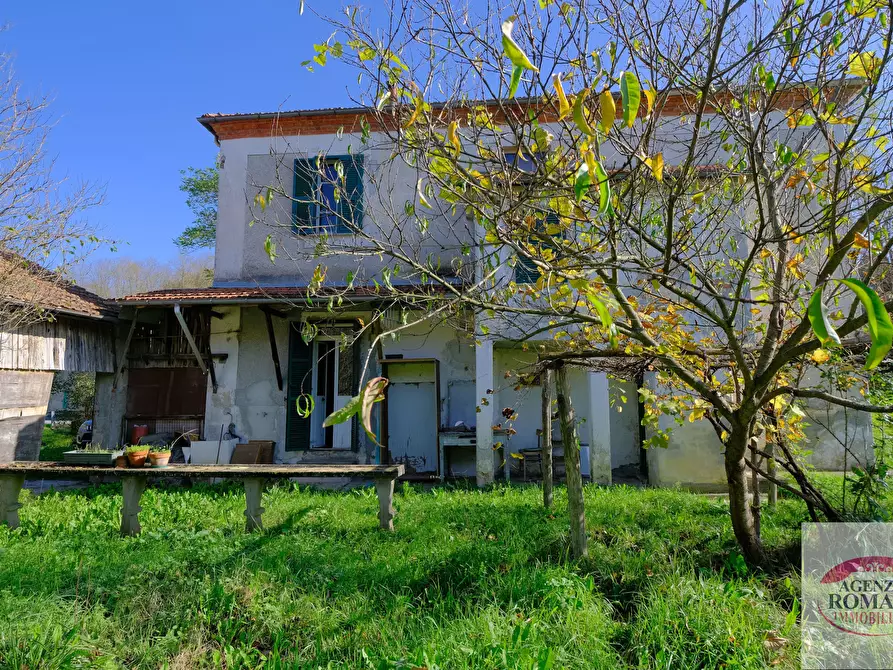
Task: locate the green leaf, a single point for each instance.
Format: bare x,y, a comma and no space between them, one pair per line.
582,181
270,248
361,405
579,113
604,189
818,318
352,407
516,79
631,95
880,327
512,50
605,317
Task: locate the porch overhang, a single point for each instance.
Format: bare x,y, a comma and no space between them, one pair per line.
269,295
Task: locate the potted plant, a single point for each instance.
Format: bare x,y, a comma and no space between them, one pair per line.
136,455
159,456
93,454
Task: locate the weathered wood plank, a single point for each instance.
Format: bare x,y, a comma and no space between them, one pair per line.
75,345
50,469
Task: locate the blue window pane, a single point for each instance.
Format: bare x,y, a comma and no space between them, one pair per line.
524,163
328,210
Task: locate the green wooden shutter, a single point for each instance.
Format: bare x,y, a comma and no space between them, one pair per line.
526,271
300,362
303,208
353,185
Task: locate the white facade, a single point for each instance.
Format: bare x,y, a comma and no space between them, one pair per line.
444,381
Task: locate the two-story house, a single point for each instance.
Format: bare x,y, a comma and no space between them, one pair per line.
237,358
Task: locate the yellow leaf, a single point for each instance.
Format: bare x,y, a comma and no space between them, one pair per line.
820,356
656,163
861,242
608,110
865,65
453,136
794,268
564,107
650,96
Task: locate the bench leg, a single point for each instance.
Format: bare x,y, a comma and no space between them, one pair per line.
385,490
10,487
253,510
130,512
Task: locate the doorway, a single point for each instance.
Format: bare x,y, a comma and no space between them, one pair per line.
333,387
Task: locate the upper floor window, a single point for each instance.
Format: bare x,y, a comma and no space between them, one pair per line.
328,197
526,271
521,161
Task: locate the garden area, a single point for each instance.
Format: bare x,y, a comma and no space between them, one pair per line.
470,579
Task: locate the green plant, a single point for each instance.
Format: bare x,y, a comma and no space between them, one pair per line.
159,450
136,448
470,580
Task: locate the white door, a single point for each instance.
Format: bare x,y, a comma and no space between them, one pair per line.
332,380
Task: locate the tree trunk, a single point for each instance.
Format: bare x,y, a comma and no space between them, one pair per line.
739,505
756,505
546,444
571,464
771,469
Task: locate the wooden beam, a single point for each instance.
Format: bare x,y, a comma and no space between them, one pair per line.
579,543
192,345
274,350
210,361
123,359
546,437
275,312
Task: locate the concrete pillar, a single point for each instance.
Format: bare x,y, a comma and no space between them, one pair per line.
483,365
132,488
599,428
109,406
254,489
10,487
24,396
385,490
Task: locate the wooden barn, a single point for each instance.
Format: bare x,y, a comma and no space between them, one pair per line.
46,325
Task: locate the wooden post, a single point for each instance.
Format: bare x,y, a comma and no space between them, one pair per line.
133,488
10,487
546,443
253,510
385,490
571,443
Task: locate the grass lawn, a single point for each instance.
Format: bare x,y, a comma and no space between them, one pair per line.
55,441
468,580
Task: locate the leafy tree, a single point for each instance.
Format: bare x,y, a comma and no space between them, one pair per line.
200,187
81,390
119,277
41,215
701,185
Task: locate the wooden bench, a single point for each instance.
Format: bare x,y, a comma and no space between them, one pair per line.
134,480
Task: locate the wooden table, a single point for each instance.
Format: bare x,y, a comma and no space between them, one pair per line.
134,481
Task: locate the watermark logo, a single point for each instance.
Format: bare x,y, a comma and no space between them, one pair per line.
847,595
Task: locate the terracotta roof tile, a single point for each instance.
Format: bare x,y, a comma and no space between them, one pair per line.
35,285
256,294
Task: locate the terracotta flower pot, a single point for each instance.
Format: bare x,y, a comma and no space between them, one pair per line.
159,459
121,461
137,459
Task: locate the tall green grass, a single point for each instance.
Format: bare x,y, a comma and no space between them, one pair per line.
469,579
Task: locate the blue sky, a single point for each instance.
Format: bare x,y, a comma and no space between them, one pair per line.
128,80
